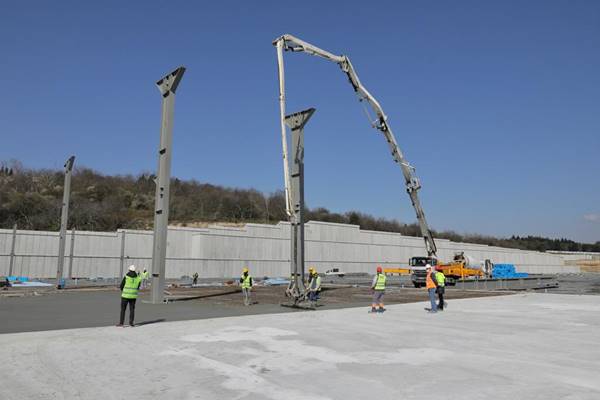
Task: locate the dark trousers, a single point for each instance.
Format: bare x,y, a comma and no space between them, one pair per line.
440,292
124,303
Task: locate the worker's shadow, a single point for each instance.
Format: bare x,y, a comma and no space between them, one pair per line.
154,321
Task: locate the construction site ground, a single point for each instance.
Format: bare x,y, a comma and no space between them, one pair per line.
95,304
24,310
520,346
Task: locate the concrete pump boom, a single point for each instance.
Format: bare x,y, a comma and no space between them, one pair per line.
291,43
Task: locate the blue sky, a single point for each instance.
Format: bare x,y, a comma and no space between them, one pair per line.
497,104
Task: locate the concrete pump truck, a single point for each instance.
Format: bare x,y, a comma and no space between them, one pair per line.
379,122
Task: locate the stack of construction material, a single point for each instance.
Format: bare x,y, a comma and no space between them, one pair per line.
17,279
506,271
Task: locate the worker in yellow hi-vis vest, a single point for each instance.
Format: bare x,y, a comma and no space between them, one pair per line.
144,275
314,286
441,288
246,284
378,287
130,286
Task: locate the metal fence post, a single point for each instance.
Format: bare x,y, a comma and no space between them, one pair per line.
12,251
123,253
70,275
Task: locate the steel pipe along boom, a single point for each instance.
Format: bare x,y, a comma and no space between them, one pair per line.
286,175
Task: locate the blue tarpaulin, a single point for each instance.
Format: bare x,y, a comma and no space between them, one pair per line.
17,278
506,271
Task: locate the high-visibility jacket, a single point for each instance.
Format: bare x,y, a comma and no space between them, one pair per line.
380,284
429,283
145,275
315,282
130,290
246,281
440,278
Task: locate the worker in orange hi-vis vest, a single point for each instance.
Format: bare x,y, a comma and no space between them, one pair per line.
431,285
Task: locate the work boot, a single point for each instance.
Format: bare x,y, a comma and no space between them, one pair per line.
373,310
119,325
381,309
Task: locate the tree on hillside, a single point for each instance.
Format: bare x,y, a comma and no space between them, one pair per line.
32,199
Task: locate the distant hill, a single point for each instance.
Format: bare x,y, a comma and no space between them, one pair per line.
32,198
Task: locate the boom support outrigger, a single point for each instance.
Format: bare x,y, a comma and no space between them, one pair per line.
291,43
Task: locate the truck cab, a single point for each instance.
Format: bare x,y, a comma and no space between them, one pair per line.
417,267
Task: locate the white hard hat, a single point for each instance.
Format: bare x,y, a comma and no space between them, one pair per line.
427,266
132,267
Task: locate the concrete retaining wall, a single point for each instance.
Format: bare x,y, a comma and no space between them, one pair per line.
577,256
223,251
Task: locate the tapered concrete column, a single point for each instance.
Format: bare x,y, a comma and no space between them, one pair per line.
64,219
167,86
296,122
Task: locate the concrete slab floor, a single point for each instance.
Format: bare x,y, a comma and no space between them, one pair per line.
524,346
71,309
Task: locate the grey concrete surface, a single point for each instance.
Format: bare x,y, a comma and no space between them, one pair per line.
582,283
525,346
70,310
95,308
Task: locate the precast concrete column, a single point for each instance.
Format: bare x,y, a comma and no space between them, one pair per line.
64,219
296,122
167,87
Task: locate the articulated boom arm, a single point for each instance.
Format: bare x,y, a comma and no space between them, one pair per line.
291,43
